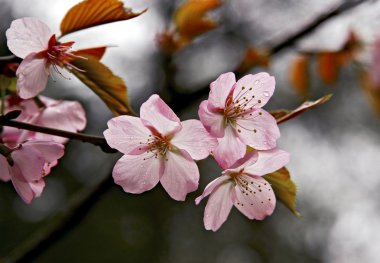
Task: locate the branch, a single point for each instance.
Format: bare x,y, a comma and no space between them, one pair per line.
55,229
181,100
95,140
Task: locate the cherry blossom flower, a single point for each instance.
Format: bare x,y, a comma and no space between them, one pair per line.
32,40
58,114
157,147
26,165
233,114
242,186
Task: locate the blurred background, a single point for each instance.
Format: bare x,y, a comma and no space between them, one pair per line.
335,148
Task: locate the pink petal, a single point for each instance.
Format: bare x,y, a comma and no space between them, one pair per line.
247,160
159,116
211,186
218,207
126,133
4,169
256,88
220,89
194,139
268,162
27,35
137,173
32,76
26,190
258,201
181,175
30,163
258,129
49,150
212,121
230,148
37,187
63,115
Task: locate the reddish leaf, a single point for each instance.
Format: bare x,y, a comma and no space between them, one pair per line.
372,91
190,18
284,188
253,57
96,52
109,87
299,75
328,67
90,13
285,115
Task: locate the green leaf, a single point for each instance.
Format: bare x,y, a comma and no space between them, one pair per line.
284,188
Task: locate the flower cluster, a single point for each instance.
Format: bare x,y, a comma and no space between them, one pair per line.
158,147
26,157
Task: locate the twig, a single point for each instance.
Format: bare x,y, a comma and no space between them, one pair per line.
181,100
61,225
96,140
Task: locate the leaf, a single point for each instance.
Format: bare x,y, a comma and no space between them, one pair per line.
372,91
253,57
100,79
190,18
328,67
285,115
96,52
284,188
330,63
90,13
299,75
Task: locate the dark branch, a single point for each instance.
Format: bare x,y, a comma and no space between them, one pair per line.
96,140
72,215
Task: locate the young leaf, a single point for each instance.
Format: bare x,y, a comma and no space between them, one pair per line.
190,18
90,13
284,115
109,87
328,67
372,91
96,52
299,75
253,57
284,188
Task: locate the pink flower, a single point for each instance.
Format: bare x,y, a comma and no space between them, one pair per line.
58,114
158,147
27,164
233,114
242,186
32,40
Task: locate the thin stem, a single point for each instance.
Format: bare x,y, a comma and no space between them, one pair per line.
95,140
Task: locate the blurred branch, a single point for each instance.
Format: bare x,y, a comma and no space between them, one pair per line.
95,140
60,225
181,100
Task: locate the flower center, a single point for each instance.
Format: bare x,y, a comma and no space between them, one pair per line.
59,55
248,186
158,146
241,107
